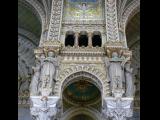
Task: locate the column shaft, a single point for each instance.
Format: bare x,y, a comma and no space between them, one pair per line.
90,34
76,39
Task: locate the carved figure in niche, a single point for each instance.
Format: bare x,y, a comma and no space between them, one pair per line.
35,78
129,80
115,71
84,6
48,71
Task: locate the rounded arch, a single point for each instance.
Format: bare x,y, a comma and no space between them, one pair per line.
29,35
128,13
97,39
87,79
37,8
69,38
83,39
97,75
94,114
131,10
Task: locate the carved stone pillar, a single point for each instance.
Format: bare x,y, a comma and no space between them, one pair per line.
44,108
76,39
111,20
118,108
55,20
90,34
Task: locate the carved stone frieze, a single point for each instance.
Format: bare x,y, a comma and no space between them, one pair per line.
44,108
55,20
111,20
118,108
88,70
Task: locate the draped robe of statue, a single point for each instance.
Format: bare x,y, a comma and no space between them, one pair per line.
129,81
35,79
116,75
48,71
115,72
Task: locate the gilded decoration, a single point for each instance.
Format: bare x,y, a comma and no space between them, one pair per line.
83,9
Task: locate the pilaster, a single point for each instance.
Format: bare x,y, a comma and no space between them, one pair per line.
55,20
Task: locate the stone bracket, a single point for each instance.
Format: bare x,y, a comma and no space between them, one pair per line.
44,108
118,108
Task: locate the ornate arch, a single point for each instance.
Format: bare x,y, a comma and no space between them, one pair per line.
39,11
29,35
89,71
81,110
129,11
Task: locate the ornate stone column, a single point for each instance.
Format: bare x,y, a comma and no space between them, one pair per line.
90,34
118,108
111,20
44,108
76,39
55,20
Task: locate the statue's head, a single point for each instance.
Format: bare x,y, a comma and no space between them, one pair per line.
50,54
114,55
42,56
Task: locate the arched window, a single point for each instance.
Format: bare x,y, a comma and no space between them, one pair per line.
83,39
96,39
69,40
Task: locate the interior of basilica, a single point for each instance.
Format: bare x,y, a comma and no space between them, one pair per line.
78,59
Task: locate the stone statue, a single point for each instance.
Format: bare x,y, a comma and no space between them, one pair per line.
35,79
129,81
48,71
115,72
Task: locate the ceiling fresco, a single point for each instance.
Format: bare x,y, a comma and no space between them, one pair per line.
83,9
82,92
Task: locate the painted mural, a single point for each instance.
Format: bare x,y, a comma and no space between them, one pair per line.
83,9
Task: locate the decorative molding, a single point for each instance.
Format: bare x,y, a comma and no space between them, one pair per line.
111,20
82,70
83,51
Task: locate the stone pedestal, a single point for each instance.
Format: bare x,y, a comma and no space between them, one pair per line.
118,108
44,108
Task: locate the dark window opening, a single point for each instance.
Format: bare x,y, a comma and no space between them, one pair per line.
69,41
83,41
96,41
